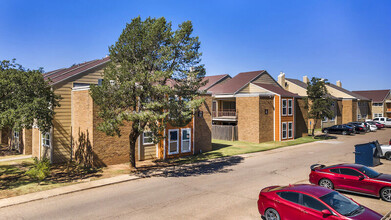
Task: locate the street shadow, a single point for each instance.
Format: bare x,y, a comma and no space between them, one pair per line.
325,137
219,165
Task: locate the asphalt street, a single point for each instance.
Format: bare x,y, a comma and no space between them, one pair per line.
224,189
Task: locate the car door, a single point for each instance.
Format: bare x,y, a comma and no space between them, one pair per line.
334,129
288,205
312,209
351,181
336,178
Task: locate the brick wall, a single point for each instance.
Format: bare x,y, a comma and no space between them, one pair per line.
301,124
35,142
27,141
266,120
203,126
248,118
349,111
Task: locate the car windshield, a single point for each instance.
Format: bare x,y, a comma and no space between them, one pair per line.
369,172
340,203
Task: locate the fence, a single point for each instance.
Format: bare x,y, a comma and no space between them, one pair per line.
225,132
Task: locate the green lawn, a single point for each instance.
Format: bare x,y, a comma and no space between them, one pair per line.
222,148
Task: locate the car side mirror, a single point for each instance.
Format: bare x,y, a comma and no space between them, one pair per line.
326,213
361,177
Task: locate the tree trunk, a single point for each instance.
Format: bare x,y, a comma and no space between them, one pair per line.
132,150
313,129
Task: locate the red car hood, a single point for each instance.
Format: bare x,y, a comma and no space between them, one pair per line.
384,177
368,214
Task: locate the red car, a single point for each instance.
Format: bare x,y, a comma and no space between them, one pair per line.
352,178
309,202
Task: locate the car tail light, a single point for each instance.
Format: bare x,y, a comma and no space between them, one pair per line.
350,129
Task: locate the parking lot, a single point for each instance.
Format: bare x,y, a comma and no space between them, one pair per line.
227,188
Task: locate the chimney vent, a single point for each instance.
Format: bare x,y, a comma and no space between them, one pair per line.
305,79
281,79
339,84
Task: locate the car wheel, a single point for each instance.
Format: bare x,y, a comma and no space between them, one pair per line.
388,156
344,133
326,183
385,194
271,214
326,131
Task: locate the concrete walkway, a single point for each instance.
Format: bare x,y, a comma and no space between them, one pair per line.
65,190
15,158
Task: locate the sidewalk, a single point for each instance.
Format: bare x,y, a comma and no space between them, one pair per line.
19,157
65,190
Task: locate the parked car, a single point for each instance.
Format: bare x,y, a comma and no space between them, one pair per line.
357,128
365,125
338,129
309,202
386,151
383,120
353,178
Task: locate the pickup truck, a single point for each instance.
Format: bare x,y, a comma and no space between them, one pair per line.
386,151
383,120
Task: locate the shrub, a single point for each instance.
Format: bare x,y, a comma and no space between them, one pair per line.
40,169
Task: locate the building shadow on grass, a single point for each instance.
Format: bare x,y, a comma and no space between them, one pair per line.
216,146
325,137
219,165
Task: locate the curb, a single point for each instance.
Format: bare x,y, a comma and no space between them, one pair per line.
16,200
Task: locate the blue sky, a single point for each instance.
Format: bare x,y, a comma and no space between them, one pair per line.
347,40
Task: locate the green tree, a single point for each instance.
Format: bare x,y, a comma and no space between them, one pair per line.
25,98
318,100
153,79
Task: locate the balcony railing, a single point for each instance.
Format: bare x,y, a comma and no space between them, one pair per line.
224,113
388,110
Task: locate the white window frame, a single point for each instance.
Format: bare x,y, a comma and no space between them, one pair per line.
291,130
169,142
43,139
290,107
282,130
189,130
282,107
147,143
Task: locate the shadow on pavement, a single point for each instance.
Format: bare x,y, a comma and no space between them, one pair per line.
219,165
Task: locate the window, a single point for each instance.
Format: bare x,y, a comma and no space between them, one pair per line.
334,170
290,107
284,107
16,135
290,129
290,196
100,81
364,116
350,172
80,85
186,140
377,104
284,130
173,141
147,137
358,117
313,203
377,115
46,139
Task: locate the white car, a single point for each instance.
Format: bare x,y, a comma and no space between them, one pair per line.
383,120
386,151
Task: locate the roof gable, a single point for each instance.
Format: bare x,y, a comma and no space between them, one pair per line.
375,95
235,84
276,90
213,80
63,74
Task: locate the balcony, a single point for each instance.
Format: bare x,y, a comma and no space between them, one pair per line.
388,109
225,115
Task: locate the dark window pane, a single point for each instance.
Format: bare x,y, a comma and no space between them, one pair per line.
334,170
349,172
290,196
313,203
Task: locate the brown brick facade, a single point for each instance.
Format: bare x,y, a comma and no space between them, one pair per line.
349,110
203,126
27,141
266,110
248,118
